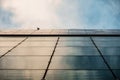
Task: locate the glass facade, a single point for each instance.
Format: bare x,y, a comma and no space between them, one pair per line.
60,57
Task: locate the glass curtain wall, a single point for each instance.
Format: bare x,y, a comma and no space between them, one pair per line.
72,58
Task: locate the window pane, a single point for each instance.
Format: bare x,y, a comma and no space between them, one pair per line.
117,72
107,44
11,38
8,43
106,38
110,50
74,43
83,50
27,44
42,39
79,75
3,50
113,61
21,74
24,62
74,39
32,51
77,62
107,41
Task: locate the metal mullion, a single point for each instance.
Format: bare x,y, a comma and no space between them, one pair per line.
43,78
103,58
16,45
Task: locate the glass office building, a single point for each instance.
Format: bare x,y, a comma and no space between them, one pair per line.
60,55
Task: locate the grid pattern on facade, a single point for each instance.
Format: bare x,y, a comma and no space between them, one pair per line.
59,58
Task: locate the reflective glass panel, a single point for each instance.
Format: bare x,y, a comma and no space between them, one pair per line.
37,44
32,51
117,72
106,38
8,43
79,75
110,50
11,38
74,43
107,44
107,41
83,50
42,39
77,62
113,61
21,74
4,50
24,62
74,39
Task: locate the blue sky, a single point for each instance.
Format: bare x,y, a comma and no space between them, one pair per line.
52,14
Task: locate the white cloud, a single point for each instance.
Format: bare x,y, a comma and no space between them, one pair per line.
32,13
62,13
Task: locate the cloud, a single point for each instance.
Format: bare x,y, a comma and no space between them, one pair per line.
32,13
102,14
77,14
6,21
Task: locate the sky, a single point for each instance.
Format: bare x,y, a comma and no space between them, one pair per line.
60,14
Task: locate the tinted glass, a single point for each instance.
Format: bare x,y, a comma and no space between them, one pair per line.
79,75
82,50
32,51
74,43
21,74
77,62
24,62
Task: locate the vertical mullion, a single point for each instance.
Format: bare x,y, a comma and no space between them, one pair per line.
101,54
50,59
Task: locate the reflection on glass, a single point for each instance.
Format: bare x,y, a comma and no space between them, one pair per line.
42,39
117,72
75,58
107,44
79,75
114,39
110,50
77,62
74,43
21,74
113,61
4,49
24,62
83,50
6,39
74,39
37,44
32,51
2,44
107,41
